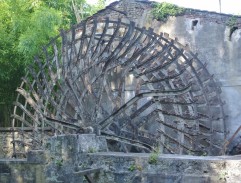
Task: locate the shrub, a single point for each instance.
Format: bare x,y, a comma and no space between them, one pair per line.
162,10
153,158
232,21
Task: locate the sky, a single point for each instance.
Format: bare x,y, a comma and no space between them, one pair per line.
227,6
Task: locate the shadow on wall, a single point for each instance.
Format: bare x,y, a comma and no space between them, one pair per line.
5,173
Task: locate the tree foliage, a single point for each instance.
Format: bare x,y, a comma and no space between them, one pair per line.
26,26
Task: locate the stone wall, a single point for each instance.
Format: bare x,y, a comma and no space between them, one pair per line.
136,168
210,39
20,171
66,155
5,145
209,36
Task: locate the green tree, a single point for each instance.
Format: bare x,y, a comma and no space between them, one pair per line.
25,27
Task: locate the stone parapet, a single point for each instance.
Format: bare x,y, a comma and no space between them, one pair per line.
66,155
136,168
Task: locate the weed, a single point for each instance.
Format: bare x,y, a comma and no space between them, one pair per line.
132,167
204,153
232,22
92,150
139,167
153,158
162,11
223,176
135,167
59,162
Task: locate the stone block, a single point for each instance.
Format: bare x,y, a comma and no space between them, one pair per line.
162,178
36,156
195,179
71,145
91,143
5,177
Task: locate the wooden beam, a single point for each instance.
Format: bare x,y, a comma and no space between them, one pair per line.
25,129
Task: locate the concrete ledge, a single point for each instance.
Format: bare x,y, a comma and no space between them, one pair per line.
167,156
13,161
123,167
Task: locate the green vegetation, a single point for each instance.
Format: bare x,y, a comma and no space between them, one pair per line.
135,167
204,153
59,162
162,11
132,167
232,24
92,150
232,21
223,176
153,158
25,27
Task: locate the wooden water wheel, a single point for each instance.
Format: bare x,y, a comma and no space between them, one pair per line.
138,89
